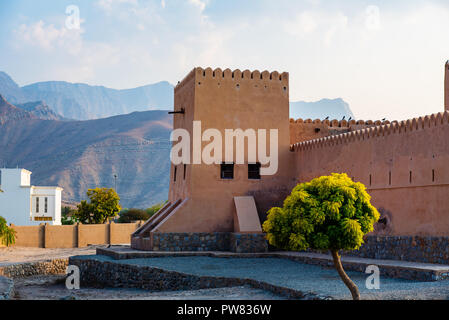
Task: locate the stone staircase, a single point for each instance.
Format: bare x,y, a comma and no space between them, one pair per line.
141,239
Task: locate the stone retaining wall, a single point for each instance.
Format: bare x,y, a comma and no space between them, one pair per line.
118,275
21,270
248,243
218,241
405,248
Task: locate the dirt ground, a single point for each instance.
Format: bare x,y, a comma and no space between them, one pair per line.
21,254
53,288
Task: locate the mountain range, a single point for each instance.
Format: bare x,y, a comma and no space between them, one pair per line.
79,136
84,102
78,155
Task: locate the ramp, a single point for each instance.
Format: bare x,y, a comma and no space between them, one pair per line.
246,218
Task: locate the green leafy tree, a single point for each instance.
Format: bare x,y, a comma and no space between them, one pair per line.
329,213
7,234
104,204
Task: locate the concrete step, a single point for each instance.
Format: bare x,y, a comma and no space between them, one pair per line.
388,268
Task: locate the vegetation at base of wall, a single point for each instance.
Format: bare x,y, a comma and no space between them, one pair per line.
133,214
104,204
68,216
329,213
7,234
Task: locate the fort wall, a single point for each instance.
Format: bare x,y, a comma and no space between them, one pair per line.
74,236
402,164
308,129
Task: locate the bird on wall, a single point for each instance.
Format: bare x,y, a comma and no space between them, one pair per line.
384,119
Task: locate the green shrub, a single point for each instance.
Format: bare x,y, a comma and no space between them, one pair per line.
328,213
155,208
7,234
68,216
131,215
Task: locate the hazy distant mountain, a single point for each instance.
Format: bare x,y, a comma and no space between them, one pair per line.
40,110
10,90
82,101
10,113
334,109
78,155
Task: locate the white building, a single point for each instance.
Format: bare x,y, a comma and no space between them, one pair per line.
25,205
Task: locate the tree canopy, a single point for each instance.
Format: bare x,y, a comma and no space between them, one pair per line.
104,204
328,213
7,234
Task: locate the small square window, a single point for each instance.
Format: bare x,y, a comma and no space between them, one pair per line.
227,171
254,171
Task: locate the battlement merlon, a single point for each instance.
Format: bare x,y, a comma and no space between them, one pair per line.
218,73
421,123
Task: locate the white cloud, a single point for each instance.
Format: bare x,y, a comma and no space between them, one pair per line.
199,4
49,37
317,24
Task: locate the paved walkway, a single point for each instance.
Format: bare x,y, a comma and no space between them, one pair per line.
294,275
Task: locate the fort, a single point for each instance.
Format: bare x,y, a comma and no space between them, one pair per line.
403,164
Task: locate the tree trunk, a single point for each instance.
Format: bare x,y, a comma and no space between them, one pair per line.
348,282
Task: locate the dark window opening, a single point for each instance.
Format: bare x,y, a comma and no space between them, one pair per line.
410,177
227,171
370,180
254,171
389,178
433,175
46,205
185,169
174,174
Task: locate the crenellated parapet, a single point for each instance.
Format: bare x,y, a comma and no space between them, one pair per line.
228,74
340,123
380,130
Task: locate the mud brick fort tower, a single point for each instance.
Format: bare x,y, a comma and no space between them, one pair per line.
404,165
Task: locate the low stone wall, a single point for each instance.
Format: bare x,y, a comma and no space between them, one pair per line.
248,243
111,274
218,241
405,248
21,270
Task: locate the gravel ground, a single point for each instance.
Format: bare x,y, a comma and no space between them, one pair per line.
300,276
20,254
53,288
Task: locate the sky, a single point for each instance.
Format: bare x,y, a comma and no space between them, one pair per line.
385,58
